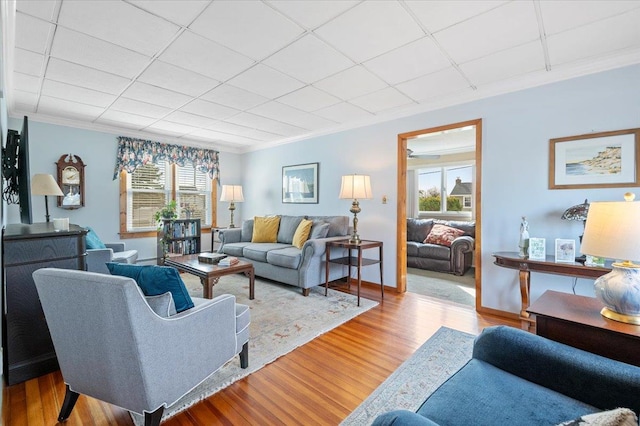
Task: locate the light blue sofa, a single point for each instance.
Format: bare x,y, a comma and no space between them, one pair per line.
518,378
283,262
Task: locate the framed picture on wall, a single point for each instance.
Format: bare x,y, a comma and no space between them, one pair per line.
565,250
597,160
300,183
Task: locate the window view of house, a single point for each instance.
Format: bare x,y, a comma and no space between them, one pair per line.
453,184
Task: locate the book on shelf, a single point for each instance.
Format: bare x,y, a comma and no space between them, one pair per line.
228,261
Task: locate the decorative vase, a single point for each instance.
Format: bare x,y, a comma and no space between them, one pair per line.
619,291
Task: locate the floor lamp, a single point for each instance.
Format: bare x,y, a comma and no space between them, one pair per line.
232,194
43,184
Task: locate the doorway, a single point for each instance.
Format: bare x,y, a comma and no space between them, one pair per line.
428,144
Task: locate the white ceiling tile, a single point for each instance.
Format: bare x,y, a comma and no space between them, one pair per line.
312,13
32,34
266,81
189,119
74,110
351,83
230,128
265,124
408,62
41,9
90,78
561,15
243,26
309,59
234,97
174,129
599,38
506,26
505,64
181,12
440,14
76,94
225,137
434,85
26,83
196,53
344,112
27,62
119,23
143,109
287,114
155,95
209,109
309,99
370,29
94,53
25,100
382,100
178,79
125,119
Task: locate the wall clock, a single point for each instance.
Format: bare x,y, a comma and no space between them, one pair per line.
71,181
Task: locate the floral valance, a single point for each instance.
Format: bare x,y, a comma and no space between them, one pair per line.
134,153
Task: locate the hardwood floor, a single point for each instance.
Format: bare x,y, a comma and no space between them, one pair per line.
319,383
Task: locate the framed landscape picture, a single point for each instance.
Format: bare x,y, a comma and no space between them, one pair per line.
300,183
565,250
598,160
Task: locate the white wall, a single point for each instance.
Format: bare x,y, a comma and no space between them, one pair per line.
47,142
516,132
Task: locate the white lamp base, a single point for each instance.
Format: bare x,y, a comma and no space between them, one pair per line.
619,291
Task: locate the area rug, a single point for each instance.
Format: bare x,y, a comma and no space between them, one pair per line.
453,288
281,320
407,388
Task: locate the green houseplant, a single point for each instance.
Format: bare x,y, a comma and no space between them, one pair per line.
167,212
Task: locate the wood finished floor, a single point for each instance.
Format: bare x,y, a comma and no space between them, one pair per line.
319,383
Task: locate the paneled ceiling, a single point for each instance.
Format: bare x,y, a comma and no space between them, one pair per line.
241,75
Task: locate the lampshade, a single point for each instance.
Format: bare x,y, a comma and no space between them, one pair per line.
357,187
232,193
613,230
577,212
43,184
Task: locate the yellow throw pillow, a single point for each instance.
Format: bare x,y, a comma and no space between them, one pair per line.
302,233
265,229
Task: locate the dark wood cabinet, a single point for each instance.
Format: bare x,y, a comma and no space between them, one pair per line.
27,350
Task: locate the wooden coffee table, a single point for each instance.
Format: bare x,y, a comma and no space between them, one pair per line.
210,274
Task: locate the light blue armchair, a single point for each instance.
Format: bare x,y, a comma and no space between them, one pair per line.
115,346
98,258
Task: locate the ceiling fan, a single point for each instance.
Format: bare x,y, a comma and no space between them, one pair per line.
411,154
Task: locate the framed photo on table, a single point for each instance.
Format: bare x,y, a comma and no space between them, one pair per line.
300,184
537,249
597,160
565,250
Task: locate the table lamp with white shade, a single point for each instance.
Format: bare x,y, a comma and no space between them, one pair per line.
232,194
44,184
613,231
355,187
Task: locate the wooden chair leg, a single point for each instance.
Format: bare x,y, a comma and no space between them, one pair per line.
70,398
153,419
244,356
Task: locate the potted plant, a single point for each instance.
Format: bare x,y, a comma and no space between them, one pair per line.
170,211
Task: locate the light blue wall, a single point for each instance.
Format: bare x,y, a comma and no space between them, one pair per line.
516,132
47,142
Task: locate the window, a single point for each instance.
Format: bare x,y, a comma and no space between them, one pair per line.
151,187
452,183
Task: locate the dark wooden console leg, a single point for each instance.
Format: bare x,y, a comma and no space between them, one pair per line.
70,398
244,356
153,419
306,291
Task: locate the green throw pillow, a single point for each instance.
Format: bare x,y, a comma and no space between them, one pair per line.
154,280
93,241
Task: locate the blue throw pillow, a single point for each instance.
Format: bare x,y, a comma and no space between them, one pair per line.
154,280
93,241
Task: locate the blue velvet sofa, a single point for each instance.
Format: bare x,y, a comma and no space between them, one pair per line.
518,378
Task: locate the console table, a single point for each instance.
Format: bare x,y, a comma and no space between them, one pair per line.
576,321
512,260
357,261
27,349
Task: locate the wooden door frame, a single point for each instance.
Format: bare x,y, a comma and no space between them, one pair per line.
401,242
